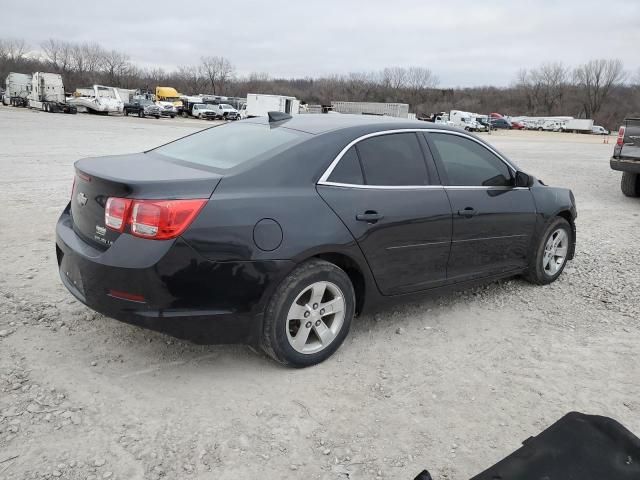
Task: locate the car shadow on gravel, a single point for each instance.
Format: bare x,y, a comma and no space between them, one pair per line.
148,351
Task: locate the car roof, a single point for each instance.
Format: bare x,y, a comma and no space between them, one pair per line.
318,123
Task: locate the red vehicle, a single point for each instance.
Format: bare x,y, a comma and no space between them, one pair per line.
517,125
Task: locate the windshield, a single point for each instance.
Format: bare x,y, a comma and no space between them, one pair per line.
226,106
229,145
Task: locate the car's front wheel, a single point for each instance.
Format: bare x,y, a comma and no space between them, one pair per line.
309,315
551,254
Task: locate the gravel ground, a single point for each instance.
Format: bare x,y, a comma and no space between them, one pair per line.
453,383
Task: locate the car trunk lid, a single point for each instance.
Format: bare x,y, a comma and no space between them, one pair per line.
141,176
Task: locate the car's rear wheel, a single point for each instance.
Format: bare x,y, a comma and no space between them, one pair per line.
630,184
551,254
309,315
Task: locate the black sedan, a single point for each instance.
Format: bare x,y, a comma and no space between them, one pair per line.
278,231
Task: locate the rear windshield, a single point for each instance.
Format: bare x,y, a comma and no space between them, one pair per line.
229,145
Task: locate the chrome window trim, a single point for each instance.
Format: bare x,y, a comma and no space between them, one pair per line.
324,179
416,187
382,187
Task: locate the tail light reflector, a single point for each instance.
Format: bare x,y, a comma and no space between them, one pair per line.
156,219
132,297
116,213
620,140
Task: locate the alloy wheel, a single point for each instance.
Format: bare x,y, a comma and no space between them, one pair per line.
555,252
316,317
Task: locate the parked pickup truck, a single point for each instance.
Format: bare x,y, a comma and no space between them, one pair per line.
142,108
626,157
224,111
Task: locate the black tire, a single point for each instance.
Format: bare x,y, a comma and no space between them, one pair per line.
126,112
536,273
275,340
141,113
630,184
540,129
173,116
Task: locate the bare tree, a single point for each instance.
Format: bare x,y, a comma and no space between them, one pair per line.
551,80
58,53
394,77
193,77
420,78
595,80
115,65
13,49
525,83
420,81
219,71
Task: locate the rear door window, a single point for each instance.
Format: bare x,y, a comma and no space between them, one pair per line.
393,160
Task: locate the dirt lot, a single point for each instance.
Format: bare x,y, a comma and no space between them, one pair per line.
453,384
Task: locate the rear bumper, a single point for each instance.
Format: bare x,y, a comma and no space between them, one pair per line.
178,291
625,165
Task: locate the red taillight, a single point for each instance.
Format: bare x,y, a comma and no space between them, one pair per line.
116,213
620,140
156,219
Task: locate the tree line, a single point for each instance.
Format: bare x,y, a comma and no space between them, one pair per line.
600,89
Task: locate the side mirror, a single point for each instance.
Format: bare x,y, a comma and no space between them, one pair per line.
523,180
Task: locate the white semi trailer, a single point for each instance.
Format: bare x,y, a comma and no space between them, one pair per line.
400,110
17,88
259,104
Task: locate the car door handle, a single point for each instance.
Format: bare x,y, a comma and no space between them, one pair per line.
468,212
369,216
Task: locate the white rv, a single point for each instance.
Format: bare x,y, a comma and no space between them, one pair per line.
17,88
258,105
466,121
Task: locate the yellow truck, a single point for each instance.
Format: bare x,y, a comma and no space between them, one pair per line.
169,96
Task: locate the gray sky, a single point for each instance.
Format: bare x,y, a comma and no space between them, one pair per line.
465,42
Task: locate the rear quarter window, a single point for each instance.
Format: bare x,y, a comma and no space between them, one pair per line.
227,146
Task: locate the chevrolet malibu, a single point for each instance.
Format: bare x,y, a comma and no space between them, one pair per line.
278,231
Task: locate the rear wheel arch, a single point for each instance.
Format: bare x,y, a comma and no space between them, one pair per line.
353,271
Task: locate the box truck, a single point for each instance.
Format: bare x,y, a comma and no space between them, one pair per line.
400,110
259,104
578,125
